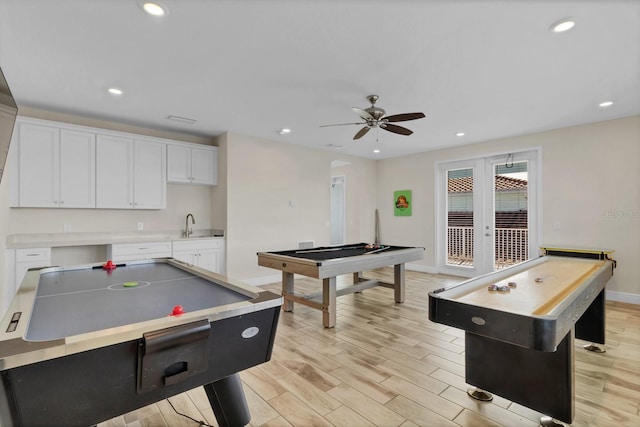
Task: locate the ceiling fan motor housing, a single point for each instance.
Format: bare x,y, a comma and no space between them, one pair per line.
376,112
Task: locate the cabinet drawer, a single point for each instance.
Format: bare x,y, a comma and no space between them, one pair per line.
197,244
33,254
141,250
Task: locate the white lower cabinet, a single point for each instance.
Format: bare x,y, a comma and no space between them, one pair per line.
203,253
30,258
123,252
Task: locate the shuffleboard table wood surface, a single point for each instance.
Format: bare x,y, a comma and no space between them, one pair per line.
519,343
559,277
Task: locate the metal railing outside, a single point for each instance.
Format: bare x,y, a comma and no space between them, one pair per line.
511,246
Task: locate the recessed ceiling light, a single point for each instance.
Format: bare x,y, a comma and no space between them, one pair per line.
154,9
605,104
335,146
377,150
284,131
562,26
115,91
460,134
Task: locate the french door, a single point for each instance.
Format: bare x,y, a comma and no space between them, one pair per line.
487,213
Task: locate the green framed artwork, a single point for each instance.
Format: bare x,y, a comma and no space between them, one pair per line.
402,203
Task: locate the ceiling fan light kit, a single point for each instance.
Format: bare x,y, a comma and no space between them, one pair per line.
374,117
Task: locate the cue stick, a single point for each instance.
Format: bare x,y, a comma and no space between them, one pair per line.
310,251
384,248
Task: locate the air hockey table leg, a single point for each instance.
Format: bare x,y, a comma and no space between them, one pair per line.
227,400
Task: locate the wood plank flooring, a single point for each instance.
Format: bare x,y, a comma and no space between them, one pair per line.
386,364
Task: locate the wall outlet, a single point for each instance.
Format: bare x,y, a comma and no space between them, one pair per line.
67,228
140,226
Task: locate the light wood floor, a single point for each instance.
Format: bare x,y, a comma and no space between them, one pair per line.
386,364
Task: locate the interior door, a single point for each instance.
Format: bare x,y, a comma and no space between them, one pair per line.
338,210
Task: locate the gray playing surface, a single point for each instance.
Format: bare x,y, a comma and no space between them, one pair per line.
79,301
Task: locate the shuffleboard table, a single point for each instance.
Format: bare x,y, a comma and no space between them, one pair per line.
81,345
328,262
520,325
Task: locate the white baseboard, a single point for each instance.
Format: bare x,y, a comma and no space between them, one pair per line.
421,268
623,297
263,280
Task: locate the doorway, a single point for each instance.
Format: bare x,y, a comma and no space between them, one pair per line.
338,210
487,213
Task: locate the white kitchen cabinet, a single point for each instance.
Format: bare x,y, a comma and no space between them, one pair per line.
56,167
130,173
203,253
192,165
30,258
122,252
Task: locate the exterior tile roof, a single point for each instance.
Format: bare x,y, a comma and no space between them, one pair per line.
503,183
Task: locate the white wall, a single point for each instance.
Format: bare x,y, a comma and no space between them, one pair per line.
278,195
590,189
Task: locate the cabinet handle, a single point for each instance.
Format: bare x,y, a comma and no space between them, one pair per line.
32,254
61,202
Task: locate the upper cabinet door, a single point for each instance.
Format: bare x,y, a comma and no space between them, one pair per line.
114,172
38,165
150,179
178,164
204,164
192,165
77,169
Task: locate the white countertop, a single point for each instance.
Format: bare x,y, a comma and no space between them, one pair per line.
46,240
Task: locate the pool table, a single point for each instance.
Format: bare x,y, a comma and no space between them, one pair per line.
520,324
81,345
328,262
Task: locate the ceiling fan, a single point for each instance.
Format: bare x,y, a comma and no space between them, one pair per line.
374,117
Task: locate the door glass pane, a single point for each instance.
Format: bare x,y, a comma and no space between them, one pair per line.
460,217
511,213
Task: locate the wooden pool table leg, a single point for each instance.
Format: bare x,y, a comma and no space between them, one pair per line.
329,302
287,289
398,282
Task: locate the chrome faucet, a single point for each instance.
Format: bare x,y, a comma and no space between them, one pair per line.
187,231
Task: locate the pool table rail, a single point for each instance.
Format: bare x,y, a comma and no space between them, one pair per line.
321,269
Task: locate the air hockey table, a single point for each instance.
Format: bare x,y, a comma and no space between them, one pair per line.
81,345
520,324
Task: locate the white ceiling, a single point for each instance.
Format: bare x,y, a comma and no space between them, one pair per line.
490,69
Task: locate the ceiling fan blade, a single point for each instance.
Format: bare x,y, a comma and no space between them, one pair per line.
404,117
396,129
362,132
343,124
365,115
